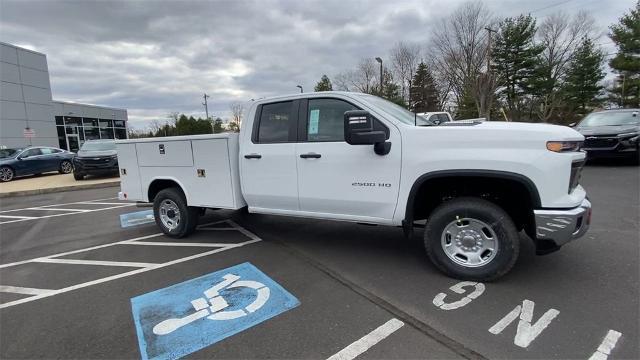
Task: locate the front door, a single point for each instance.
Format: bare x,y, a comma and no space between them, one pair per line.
335,178
267,159
73,143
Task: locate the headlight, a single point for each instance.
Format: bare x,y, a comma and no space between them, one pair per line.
564,146
628,134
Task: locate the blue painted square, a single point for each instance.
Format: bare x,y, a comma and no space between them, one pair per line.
186,317
136,218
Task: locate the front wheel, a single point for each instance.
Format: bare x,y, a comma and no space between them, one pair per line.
78,176
471,239
66,167
172,214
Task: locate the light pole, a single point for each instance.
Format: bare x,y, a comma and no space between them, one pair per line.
300,86
380,61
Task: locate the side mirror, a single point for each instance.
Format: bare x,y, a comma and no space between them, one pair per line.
436,121
358,130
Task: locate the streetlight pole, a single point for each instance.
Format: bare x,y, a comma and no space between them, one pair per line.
206,107
379,60
300,86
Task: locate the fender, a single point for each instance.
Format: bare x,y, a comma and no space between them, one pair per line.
169,178
407,223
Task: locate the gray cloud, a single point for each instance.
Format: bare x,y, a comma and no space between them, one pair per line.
156,57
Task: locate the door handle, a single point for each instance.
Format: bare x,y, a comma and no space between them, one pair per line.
310,156
253,156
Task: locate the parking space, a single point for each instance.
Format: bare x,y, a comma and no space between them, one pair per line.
69,284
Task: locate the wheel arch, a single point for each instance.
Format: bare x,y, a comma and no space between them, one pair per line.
525,184
161,183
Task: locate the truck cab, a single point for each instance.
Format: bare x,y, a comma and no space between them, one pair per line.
473,186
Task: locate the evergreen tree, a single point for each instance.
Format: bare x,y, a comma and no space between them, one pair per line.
217,126
390,90
467,108
515,58
423,93
626,35
324,84
582,84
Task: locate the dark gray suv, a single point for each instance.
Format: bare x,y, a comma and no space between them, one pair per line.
611,134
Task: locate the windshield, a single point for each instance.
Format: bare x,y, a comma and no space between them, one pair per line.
396,110
611,118
98,146
8,152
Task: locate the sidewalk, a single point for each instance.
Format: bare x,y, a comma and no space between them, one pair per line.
48,183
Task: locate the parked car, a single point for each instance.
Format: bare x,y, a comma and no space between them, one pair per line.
33,160
611,134
357,157
436,117
96,157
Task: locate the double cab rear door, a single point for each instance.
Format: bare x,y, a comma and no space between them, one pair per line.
294,161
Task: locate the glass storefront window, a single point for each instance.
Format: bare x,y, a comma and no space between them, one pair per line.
72,129
91,133
72,120
105,123
118,123
90,122
106,133
62,138
59,120
121,133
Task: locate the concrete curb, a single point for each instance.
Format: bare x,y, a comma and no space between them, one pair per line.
60,189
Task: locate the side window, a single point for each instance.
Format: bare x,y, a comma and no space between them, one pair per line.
48,151
31,152
325,119
275,122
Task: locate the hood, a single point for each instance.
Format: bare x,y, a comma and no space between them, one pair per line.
608,130
88,154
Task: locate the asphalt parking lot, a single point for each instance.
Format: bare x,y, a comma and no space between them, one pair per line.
69,272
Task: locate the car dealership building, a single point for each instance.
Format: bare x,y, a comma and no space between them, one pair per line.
29,116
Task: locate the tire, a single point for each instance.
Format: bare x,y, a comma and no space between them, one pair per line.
482,241
66,167
6,174
172,214
78,176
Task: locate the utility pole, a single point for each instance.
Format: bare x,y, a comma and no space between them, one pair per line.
489,31
206,107
381,82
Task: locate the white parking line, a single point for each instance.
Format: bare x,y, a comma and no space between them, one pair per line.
57,209
367,341
65,214
98,203
152,243
54,205
608,343
51,258
17,217
94,262
24,290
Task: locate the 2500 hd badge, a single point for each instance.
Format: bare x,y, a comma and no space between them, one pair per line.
387,185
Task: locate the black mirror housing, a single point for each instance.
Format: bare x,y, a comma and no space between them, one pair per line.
358,129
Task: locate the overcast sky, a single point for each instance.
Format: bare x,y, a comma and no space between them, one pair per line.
154,58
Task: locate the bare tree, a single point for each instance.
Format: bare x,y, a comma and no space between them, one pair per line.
237,111
155,126
561,35
405,58
365,77
459,48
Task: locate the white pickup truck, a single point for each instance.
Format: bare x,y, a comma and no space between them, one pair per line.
359,158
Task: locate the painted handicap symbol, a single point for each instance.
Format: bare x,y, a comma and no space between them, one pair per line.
212,307
179,319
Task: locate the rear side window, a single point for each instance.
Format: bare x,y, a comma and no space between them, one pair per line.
325,119
443,118
275,122
31,152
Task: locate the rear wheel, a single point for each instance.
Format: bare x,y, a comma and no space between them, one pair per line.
172,214
6,174
471,239
66,167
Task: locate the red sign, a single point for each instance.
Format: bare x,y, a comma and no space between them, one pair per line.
29,133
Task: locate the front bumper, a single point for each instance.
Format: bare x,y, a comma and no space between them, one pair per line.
562,226
95,165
